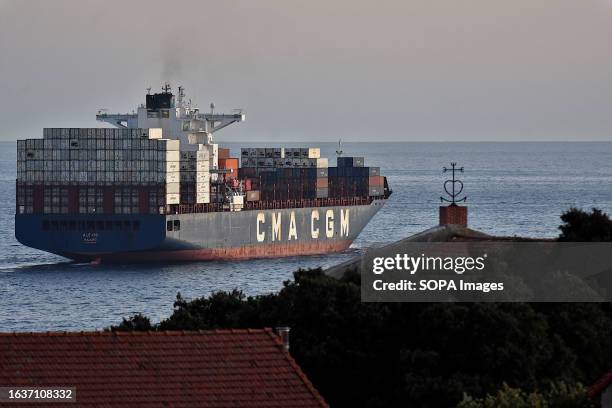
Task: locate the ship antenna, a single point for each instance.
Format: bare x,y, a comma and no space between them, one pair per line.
339,151
181,95
212,111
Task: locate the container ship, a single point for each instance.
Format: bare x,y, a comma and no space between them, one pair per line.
156,187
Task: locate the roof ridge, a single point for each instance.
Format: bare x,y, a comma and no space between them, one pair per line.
133,333
600,385
285,352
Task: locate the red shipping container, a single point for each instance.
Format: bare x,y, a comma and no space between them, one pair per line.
108,202
73,200
322,182
253,195
143,200
38,196
229,164
376,181
224,153
248,184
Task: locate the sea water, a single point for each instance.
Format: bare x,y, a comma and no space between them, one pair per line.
511,188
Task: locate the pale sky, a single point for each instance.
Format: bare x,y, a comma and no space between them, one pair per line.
318,70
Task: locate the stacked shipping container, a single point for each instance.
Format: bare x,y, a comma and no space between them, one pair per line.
352,179
135,171
93,170
266,159
284,173
300,173
195,176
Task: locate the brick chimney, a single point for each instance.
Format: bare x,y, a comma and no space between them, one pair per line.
453,214
283,333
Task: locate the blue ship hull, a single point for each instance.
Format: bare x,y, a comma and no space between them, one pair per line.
195,236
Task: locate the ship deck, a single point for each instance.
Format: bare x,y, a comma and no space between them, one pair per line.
273,205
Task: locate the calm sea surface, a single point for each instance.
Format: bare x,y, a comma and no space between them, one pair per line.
512,189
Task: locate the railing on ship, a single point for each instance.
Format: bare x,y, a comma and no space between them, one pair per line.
271,205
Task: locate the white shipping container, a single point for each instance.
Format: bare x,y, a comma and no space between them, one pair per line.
172,198
155,133
172,166
213,150
202,176
202,187
202,166
173,188
202,155
237,200
202,198
173,177
314,153
172,155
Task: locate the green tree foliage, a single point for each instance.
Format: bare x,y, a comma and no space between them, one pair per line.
423,354
582,226
560,395
138,322
409,354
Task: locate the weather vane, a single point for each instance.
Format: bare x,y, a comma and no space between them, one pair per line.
456,186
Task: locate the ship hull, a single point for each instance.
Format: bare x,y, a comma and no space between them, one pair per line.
248,234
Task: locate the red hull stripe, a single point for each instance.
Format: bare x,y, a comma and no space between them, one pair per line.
246,252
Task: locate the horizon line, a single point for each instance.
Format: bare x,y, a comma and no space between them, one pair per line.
393,141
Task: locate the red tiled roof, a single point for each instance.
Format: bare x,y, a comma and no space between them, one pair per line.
601,384
220,368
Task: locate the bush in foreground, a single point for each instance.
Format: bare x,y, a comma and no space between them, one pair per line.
560,395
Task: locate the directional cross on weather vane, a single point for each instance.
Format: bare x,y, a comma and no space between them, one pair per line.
456,186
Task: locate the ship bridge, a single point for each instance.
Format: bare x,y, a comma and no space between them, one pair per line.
174,116
120,120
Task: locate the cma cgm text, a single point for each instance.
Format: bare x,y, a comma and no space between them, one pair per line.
285,227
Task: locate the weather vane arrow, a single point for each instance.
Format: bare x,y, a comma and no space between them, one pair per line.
456,186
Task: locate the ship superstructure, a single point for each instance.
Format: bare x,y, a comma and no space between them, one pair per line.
157,187
175,116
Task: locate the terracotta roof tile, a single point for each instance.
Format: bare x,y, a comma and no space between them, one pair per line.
217,368
601,384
